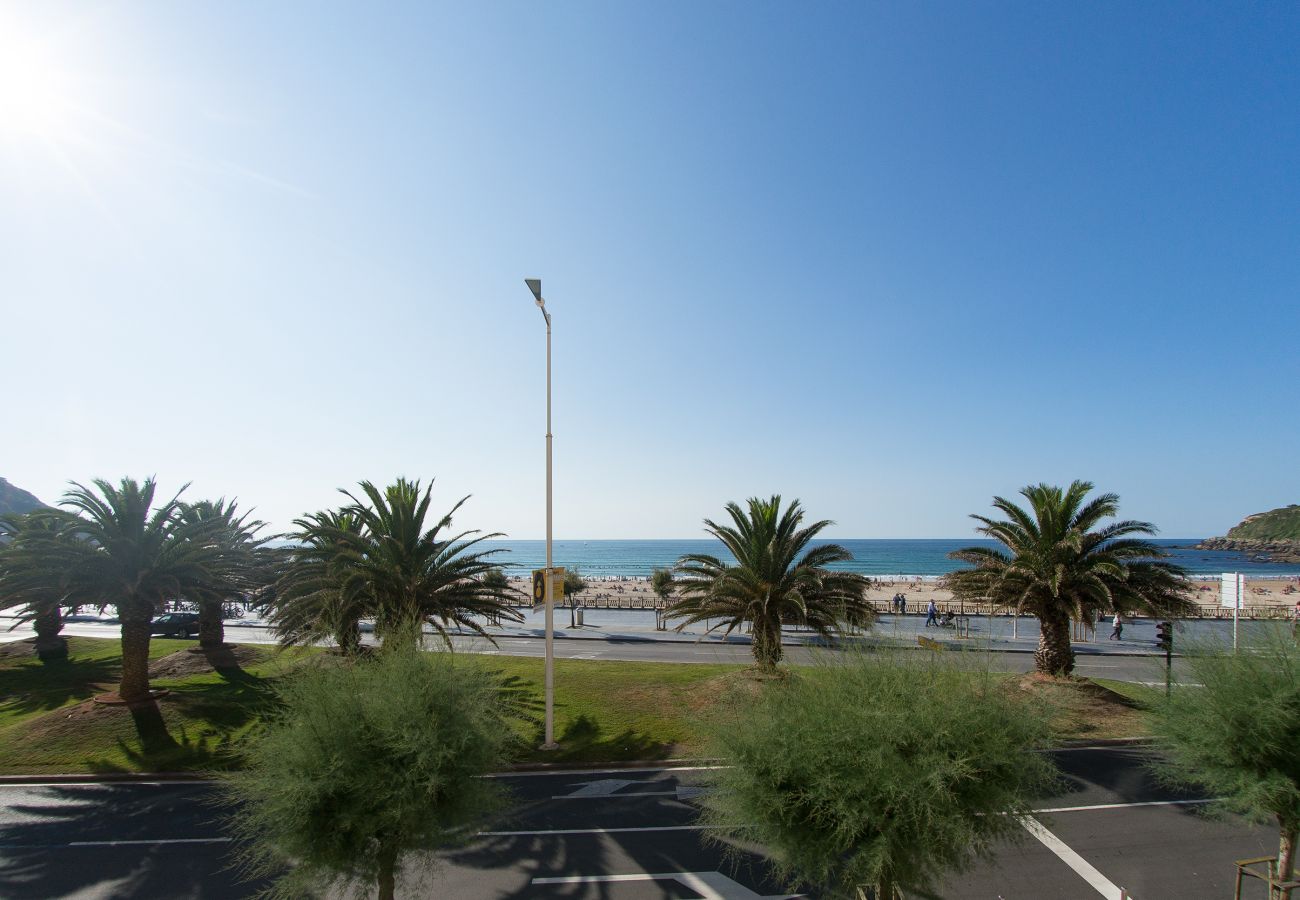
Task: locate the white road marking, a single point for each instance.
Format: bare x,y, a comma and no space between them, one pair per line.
616,796
215,840
180,782
542,772
603,787
562,831
1081,866
709,885
1065,809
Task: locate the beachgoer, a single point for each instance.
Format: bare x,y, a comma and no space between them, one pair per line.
902,603
1117,633
932,614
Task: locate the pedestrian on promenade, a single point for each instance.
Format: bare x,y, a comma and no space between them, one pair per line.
1117,633
932,614
902,603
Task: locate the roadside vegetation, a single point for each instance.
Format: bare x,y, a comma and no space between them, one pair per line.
1234,735
1060,563
362,763
879,773
606,711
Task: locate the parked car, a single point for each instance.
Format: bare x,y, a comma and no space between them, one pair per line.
176,624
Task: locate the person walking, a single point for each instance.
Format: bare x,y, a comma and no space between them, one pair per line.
932,614
1117,632
902,603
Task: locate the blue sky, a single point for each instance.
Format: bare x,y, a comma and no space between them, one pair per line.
890,259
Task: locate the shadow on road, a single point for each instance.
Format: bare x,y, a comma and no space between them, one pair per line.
36,860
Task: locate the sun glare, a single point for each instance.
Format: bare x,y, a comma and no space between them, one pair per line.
35,91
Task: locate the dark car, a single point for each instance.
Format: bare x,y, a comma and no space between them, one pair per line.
176,624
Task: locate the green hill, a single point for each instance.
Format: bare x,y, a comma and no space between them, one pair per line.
16,500
1281,524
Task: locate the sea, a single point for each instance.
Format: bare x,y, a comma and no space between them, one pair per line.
926,558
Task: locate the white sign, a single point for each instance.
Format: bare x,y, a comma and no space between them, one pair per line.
1232,590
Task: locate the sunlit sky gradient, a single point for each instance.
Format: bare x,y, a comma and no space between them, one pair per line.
891,259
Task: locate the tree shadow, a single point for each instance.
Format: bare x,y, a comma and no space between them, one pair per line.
1123,772
209,720
48,686
40,858
585,740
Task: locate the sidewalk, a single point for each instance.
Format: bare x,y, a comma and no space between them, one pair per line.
995,634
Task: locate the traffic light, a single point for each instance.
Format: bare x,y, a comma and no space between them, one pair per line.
1165,636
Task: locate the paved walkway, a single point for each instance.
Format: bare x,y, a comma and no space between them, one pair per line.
998,633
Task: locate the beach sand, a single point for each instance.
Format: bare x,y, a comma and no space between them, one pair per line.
1260,591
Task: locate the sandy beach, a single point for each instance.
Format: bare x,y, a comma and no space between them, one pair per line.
1278,591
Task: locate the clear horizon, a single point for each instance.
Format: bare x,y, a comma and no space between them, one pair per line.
891,260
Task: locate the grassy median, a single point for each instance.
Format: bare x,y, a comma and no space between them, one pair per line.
606,710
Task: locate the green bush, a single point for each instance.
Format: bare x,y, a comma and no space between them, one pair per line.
367,760
878,773
1235,733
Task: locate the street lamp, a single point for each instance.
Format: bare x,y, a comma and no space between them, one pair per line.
535,285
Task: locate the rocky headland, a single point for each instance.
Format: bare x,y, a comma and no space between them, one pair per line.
1273,536
14,499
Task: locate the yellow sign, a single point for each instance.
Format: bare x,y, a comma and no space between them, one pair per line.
539,584
927,643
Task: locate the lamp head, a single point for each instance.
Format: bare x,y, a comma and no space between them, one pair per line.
535,285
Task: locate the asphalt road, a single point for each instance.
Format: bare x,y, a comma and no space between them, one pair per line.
624,835
1119,666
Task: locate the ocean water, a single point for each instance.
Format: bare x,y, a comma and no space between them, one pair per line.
928,557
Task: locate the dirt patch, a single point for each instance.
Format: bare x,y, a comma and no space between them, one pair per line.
71,720
1084,709
24,649
197,661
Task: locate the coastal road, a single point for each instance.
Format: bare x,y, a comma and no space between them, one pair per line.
625,834
661,647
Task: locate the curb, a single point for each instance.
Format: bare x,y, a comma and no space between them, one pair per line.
532,768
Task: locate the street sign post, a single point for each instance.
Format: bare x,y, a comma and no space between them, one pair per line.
1232,592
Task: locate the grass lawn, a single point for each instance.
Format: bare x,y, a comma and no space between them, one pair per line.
605,710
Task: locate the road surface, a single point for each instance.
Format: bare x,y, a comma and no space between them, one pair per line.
624,835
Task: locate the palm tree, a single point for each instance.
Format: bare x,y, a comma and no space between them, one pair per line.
777,579
33,547
309,605
243,565
133,555
393,568
661,582
1058,564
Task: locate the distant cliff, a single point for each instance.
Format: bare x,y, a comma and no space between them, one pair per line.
1272,536
16,500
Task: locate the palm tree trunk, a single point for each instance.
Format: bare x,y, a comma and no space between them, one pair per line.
349,637
1055,655
50,645
765,635
212,630
387,872
1285,858
135,658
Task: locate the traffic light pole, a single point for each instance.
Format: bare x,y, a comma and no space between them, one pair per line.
1169,666
1165,636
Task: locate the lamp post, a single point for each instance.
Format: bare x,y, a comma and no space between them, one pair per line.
535,285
